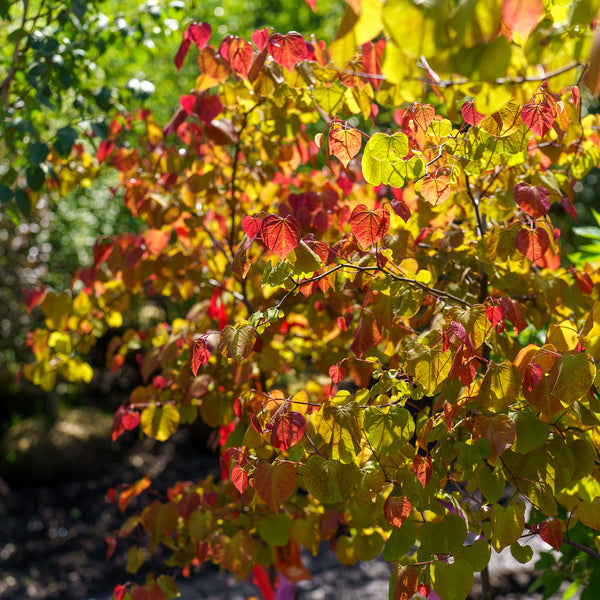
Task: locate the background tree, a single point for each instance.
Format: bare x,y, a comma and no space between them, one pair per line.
427,270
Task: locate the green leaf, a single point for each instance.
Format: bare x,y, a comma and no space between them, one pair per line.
6,194
477,554
491,483
65,138
575,378
507,524
451,581
330,481
400,541
237,342
23,202
500,386
430,366
388,429
38,152
444,537
522,554
531,432
275,531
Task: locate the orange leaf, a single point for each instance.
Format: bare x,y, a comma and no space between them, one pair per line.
551,533
287,49
436,190
521,16
344,143
422,468
423,115
396,509
369,226
280,235
406,582
533,243
274,483
239,478
200,354
132,491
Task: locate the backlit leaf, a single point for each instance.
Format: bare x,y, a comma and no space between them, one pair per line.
436,190
160,422
575,378
499,430
423,114
344,143
500,386
238,53
470,114
396,509
533,243
406,582
507,524
451,581
369,226
239,477
237,342
287,49
274,482
280,235
389,429
199,34
125,420
533,200
287,430
521,16
330,481
538,117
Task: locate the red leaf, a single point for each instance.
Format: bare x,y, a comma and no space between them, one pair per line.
344,142
208,107
119,592
287,49
422,468
533,243
280,235
470,114
551,532
583,280
494,314
199,33
337,372
156,240
369,226
238,53
567,204
132,491
182,52
532,376
287,430
125,420
34,296
513,313
576,96
521,16
396,509
262,581
260,38
367,334
102,249
188,102
105,149
200,354
111,546
312,4
424,590
532,199
251,226
538,117
239,477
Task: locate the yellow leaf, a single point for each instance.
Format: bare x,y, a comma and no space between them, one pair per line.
160,422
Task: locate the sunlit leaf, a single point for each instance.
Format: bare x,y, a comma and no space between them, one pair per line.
280,235
344,143
396,509
237,342
533,243
369,226
533,200
538,117
160,422
287,49
274,483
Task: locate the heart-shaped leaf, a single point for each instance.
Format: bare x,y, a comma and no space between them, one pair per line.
344,143
188,102
538,117
287,430
274,483
551,532
396,509
369,226
238,53
251,226
532,199
287,49
280,235
533,243
199,34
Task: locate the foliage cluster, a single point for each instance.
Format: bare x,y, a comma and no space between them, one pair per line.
373,309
